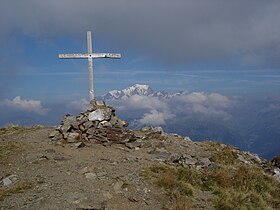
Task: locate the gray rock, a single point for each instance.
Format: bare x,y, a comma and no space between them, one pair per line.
133,145
277,174
75,198
72,137
204,162
100,114
88,125
91,175
65,128
7,182
188,160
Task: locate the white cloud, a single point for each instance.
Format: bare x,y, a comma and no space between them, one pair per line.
80,105
143,102
157,111
26,105
155,118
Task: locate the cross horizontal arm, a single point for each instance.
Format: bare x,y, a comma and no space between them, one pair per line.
93,55
106,55
77,55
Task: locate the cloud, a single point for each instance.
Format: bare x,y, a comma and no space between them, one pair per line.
157,111
189,31
155,118
79,105
143,102
19,104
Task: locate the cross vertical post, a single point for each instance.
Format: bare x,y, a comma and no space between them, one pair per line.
90,56
90,66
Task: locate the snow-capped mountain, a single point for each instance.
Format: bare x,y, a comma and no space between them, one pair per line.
137,89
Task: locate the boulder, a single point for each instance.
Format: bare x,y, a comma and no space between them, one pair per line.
100,115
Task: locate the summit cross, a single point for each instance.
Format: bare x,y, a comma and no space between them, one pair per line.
90,56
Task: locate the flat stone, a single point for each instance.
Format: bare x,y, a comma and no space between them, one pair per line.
100,114
88,125
100,103
91,175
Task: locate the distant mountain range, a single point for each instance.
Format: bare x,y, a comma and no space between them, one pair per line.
253,124
138,89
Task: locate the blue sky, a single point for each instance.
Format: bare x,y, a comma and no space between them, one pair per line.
229,47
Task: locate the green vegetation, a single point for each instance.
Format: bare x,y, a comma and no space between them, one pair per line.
234,186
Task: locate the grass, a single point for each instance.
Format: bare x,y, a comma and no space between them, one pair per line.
9,148
233,187
13,129
19,187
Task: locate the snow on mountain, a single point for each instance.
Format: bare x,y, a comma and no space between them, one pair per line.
137,89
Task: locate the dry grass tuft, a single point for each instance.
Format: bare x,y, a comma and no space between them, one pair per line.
19,187
233,187
9,148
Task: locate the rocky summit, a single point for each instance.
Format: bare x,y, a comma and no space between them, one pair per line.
92,161
98,124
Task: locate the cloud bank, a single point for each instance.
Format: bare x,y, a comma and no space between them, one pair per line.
156,111
189,31
22,105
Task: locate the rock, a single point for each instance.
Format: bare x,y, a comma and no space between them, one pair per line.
91,175
118,186
188,160
53,133
88,125
65,128
276,161
72,137
100,114
75,198
79,145
105,124
7,182
100,103
133,145
277,174
204,162
107,195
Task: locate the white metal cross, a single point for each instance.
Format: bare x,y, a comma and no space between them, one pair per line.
90,55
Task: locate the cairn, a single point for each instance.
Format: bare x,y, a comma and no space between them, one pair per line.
98,124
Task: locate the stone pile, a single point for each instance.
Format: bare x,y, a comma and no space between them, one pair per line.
98,124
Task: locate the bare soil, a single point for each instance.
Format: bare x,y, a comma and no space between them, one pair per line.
66,177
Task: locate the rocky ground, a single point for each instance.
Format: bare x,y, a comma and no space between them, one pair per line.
153,171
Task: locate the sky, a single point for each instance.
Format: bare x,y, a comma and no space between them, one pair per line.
218,46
